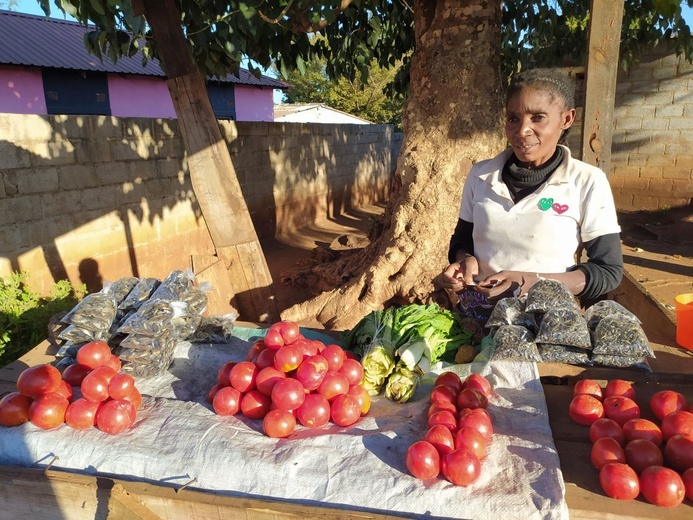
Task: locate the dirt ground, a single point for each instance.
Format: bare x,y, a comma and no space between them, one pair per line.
657,249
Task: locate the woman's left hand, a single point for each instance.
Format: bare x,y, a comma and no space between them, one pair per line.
506,283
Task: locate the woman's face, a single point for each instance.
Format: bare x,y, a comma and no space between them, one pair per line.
534,124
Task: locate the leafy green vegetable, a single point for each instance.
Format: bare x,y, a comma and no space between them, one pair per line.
402,383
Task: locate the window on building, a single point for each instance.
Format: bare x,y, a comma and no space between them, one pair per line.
223,100
76,92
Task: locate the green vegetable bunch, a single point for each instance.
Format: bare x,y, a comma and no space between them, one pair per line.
398,345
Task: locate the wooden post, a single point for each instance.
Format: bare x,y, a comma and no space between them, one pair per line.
604,36
211,171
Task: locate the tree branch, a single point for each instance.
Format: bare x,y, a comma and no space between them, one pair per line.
304,25
281,15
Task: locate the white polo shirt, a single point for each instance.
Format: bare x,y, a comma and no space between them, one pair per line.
542,232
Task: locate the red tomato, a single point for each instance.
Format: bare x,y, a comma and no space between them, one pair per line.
437,406
267,378
135,397
334,354
362,396
120,386
113,362
461,467
662,486
621,409
65,390
641,453
334,384
278,423
308,347
242,376
677,423
470,398
352,370
115,416
444,418
679,452
223,373
585,409
314,412
477,418
345,410
443,393
619,481
687,479
478,382
441,437
312,371
639,428
288,358
81,414
104,371
254,350
95,386
589,387
255,404
273,339
47,411
14,409
423,460
288,330
38,380
288,394
606,450
227,401
619,387
93,354
665,402
265,358
450,379
348,354
470,439
74,374
606,427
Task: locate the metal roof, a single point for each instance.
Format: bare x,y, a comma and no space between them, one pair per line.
39,41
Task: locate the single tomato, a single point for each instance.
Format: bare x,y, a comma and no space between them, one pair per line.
333,385
619,481
444,418
113,362
665,402
288,330
227,401
606,427
687,478
265,358
75,374
362,396
678,452
641,453
450,379
345,410
223,373
677,423
437,406
273,339
288,394
470,398
606,450
288,358
461,467
334,354
443,393
135,397
352,370
255,404
662,486
621,409
423,460
585,409
14,409
65,389
441,437
115,416
120,386
314,412
478,382
267,378
37,380
312,371
254,351
278,423
242,376
95,386
93,354
472,440
640,428
589,387
47,411
620,387
477,418
81,414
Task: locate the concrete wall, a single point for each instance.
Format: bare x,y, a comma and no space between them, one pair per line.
96,198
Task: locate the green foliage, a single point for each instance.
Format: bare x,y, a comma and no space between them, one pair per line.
24,315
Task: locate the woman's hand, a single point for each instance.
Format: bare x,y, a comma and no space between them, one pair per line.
506,283
460,275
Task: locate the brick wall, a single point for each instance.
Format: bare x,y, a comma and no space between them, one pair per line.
96,198
652,145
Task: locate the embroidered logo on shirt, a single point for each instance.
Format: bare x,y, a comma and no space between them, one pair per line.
545,204
560,208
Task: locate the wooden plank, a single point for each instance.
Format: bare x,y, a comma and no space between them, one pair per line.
221,298
604,36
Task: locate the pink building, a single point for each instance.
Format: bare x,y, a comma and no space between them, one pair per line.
52,73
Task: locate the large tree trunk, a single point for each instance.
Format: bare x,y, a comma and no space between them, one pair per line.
452,119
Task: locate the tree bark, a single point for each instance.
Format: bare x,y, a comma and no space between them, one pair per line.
212,173
452,119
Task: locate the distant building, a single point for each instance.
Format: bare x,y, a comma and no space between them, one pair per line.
314,113
46,69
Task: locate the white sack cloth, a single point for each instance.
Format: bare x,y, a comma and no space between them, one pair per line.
178,437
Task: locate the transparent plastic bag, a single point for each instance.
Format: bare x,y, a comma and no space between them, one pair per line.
120,288
562,354
601,309
141,342
621,361
95,311
153,318
619,335
197,300
514,343
175,286
215,329
77,334
139,294
508,311
564,327
548,294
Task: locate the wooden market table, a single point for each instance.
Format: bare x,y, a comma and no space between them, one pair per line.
46,493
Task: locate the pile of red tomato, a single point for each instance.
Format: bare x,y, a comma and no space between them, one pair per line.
459,430
288,378
45,397
635,455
